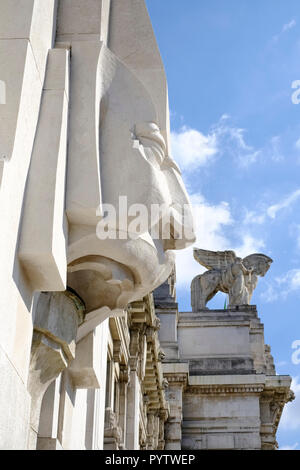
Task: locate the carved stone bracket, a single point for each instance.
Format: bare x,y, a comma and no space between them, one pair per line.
124,376
53,345
112,431
272,402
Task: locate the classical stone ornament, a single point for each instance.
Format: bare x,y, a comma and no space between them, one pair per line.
223,366
161,355
227,273
53,346
112,431
115,121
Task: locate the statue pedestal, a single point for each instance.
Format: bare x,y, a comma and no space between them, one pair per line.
222,341
231,397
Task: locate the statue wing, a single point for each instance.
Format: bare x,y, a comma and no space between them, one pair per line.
258,262
214,259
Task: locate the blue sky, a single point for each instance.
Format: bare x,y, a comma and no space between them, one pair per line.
236,135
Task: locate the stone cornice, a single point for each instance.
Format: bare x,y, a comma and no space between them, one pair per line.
177,378
218,389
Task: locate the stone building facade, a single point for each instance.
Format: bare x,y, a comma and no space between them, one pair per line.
88,358
223,389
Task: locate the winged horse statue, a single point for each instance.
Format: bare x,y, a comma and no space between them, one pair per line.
227,273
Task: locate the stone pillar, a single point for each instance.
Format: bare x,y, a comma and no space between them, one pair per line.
150,430
174,395
268,441
112,432
272,401
53,347
124,381
133,393
132,435
156,431
48,423
166,308
161,432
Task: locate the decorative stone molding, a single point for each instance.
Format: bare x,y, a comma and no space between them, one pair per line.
165,384
161,355
176,378
96,317
145,358
124,375
272,401
270,367
156,324
117,350
56,322
215,390
161,434
150,430
112,431
137,348
151,333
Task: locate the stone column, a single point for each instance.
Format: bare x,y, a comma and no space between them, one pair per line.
132,434
124,381
161,433
156,431
267,434
112,432
53,347
174,396
150,430
48,423
133,393
272,402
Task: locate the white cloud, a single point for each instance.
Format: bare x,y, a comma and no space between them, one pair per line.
295,233
192,149
232,140
286,27
253,217
249,245
297,144
281,364
291,413
275,149
210,223
284,204
282,286
290,282
270,294
250,158
259,217
291,447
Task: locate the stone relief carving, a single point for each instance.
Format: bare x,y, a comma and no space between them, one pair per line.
116,124
126,268
227,273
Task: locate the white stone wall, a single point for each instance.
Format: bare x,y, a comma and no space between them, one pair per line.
71,107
